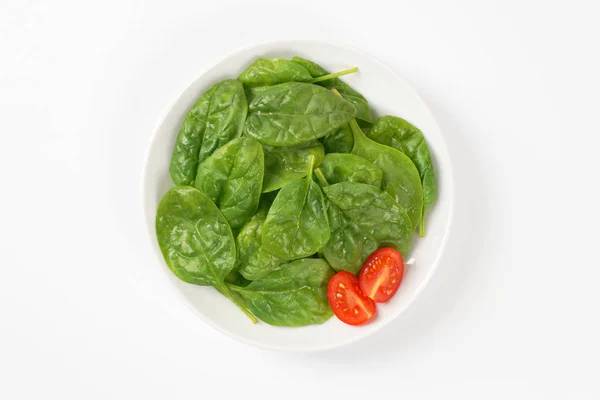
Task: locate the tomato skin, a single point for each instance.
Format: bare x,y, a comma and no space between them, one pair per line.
347,301
381,275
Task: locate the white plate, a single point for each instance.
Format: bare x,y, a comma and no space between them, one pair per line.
387,93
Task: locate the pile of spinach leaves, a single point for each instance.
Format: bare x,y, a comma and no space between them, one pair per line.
278,186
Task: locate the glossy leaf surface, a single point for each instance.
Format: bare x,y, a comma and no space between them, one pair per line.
363,218
363,111
402,135
296,225
294,295
232,178
217,117
338,168
400,176
285,164
294,113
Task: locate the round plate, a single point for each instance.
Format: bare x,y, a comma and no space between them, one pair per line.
387,93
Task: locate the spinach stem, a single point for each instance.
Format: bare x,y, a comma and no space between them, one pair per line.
321,177
334,75
227,293
311,165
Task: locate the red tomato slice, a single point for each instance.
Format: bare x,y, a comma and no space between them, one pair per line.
347,300
382,274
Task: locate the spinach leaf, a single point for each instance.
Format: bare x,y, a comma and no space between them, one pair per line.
253,260
285,164
338,168
251,93
273,71
232,178
363,218
363,111
294,295
217,117
196,240
401,135
340,141
400,176
294,113
296,225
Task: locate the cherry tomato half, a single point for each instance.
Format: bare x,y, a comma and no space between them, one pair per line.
347,300
382,274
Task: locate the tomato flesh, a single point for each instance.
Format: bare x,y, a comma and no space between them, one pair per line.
347,301
382,274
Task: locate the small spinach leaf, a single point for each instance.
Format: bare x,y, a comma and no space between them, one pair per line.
401,135
400,176
340,141
273,71
217,117
363,218
294,113
296,225
338,168
363,111
285,164
196,240
232,178
253,260
294,295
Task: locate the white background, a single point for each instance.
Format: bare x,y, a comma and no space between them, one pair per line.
513,311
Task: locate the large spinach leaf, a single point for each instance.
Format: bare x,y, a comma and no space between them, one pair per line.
217,117
400,176
294,295
363,218
285,164
253,260
338,168
296,225
363,111
232,178
196,240
294,113
400,134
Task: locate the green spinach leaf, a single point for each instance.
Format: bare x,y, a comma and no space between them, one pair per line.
294,295
363,218
296,225
338,168
273,71
253,260
235,278
217,117
232,178
400,176
340,141
363,111
401,135
196,240
285,164
294,113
